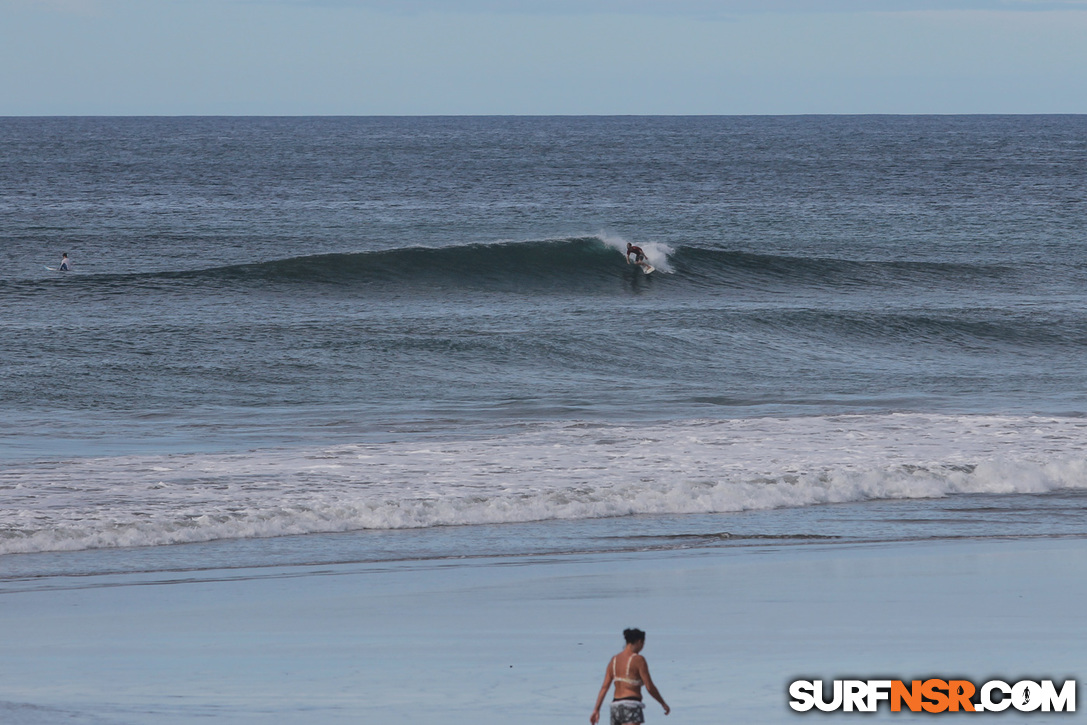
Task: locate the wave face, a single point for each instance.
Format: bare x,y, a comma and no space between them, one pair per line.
545,472
580,261
570,262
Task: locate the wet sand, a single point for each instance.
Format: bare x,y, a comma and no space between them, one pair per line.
502,640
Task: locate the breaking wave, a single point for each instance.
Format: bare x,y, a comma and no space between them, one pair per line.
578,263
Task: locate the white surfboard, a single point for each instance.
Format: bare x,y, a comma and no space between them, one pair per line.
647,268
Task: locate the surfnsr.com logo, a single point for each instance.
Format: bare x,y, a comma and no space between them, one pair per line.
933,695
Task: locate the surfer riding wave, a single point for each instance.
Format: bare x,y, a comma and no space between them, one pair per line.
639,257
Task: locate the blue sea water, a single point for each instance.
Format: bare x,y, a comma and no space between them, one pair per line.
382,328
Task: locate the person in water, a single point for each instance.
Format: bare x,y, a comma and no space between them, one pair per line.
629,671
64,263
639,255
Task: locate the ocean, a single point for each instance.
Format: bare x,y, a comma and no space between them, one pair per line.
295,340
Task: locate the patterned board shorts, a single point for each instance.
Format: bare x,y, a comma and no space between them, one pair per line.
624,711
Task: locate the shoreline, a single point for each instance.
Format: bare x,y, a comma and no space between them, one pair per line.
478,640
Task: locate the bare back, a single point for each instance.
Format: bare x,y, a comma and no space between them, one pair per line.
626,672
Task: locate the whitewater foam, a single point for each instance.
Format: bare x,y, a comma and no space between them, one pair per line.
548,471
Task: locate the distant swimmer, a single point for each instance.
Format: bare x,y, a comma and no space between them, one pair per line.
639,258
629,671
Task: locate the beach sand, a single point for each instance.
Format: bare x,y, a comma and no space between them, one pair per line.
526,639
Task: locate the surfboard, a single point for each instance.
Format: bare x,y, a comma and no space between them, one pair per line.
647,268
51,269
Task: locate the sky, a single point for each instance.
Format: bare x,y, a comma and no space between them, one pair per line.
541,57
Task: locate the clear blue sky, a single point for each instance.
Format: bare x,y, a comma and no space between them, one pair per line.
378,57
